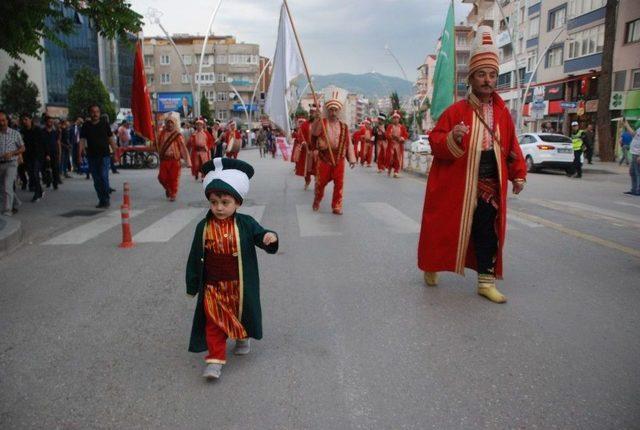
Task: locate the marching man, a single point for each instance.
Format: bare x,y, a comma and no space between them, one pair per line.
307,159
333,147
475,154
396,136
200,144
380,137
171,148
366,144
232,139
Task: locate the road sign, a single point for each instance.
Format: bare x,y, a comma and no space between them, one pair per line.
568,105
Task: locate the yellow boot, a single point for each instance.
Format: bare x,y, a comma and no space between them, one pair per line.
487,288
431,279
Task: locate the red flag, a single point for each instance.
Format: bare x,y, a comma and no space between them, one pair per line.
140,101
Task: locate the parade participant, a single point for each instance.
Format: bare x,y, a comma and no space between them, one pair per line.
396,136
200,144
232,139
223,267
298,139
330,137
366,143
380,139
310,156
355,140
475,153
171,148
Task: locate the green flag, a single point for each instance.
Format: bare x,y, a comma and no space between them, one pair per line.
444,76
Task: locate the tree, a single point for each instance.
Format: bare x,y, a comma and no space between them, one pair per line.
29,22
205,109
86,90
17,94
603,120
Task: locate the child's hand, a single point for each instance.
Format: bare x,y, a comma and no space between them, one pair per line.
269,238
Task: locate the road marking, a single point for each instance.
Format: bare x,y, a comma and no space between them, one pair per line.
627,204
168,226
510,227
88,231
315,223
512,217
600,211
255,211
579,234
395,220
589,212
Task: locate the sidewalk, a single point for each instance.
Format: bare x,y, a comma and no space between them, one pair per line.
10,234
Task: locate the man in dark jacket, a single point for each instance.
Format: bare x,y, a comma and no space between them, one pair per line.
35,154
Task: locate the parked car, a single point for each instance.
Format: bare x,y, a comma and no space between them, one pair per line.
547,150
421,145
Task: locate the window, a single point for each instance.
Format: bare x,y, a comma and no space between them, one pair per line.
635,79
619,80
187,60
150,79
222,97
534,27
205,78
243,59
223,115
532,59
165,78
580,7
164,60
554,57
148,61
221,77
557,18
185,78
221,59
632,32
586,42
504,80
210,95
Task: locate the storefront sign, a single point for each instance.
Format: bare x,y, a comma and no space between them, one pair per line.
618,99
569,105
591,105
178,102
554,92
580,111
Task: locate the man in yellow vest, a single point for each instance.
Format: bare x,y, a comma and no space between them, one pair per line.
577,136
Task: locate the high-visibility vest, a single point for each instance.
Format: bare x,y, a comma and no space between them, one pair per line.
576,140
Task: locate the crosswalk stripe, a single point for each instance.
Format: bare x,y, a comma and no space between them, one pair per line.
255,211
395,220
315,224
168,226
520,220
87,231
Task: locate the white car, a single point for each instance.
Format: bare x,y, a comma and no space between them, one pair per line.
546,150
421,145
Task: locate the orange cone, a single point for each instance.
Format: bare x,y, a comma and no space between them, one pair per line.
125,195
127,241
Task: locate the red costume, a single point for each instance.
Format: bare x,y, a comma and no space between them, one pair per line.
306,160
396,136
355,139
200,145
453,188
380,135
366,146
329,169
171,148
233,139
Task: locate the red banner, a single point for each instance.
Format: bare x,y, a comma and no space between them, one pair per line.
140,101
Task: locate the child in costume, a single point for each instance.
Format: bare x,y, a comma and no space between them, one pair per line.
223,267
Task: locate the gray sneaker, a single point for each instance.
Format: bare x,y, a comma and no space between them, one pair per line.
212,371
242,347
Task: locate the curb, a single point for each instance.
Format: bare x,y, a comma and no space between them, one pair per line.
10,235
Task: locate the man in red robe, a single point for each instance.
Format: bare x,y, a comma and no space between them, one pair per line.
200,144
475,153
380,138
171,148
355,140
297,145
396,136
366,143
330,137
232,138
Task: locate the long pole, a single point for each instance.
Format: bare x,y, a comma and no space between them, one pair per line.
455,60
204,46
306,71
255,88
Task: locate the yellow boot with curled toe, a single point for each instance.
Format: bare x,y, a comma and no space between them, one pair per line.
431,279
487,288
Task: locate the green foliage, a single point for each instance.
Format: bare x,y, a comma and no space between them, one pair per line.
300,112
205,109
87,89
17,94
27,22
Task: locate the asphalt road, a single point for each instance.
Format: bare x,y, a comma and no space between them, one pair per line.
93,336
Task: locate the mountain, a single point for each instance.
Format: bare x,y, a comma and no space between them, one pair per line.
371,85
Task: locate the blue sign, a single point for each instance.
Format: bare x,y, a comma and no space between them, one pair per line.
568,105
237,107
176,102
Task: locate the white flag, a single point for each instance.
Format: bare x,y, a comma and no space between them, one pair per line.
287,65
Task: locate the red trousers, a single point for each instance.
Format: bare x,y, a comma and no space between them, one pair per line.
169,176
326,173
232,155
382,156
396,158
367,154
216,341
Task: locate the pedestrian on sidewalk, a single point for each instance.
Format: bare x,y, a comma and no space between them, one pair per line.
577,139
625,143
223,267
11,146
36,153
589,139
96,139
65,148
634,150
475,154
76,159
51,136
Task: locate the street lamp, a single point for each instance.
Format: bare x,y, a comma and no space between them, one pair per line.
244,107
204,46
255,88
154,18
388,51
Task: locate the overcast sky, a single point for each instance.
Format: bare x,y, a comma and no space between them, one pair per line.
337,35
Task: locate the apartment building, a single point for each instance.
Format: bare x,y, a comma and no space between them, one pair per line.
228,79
625,98
424,88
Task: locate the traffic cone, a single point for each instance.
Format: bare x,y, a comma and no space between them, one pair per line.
127,241
125,195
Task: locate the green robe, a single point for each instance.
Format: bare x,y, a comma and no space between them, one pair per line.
249,234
